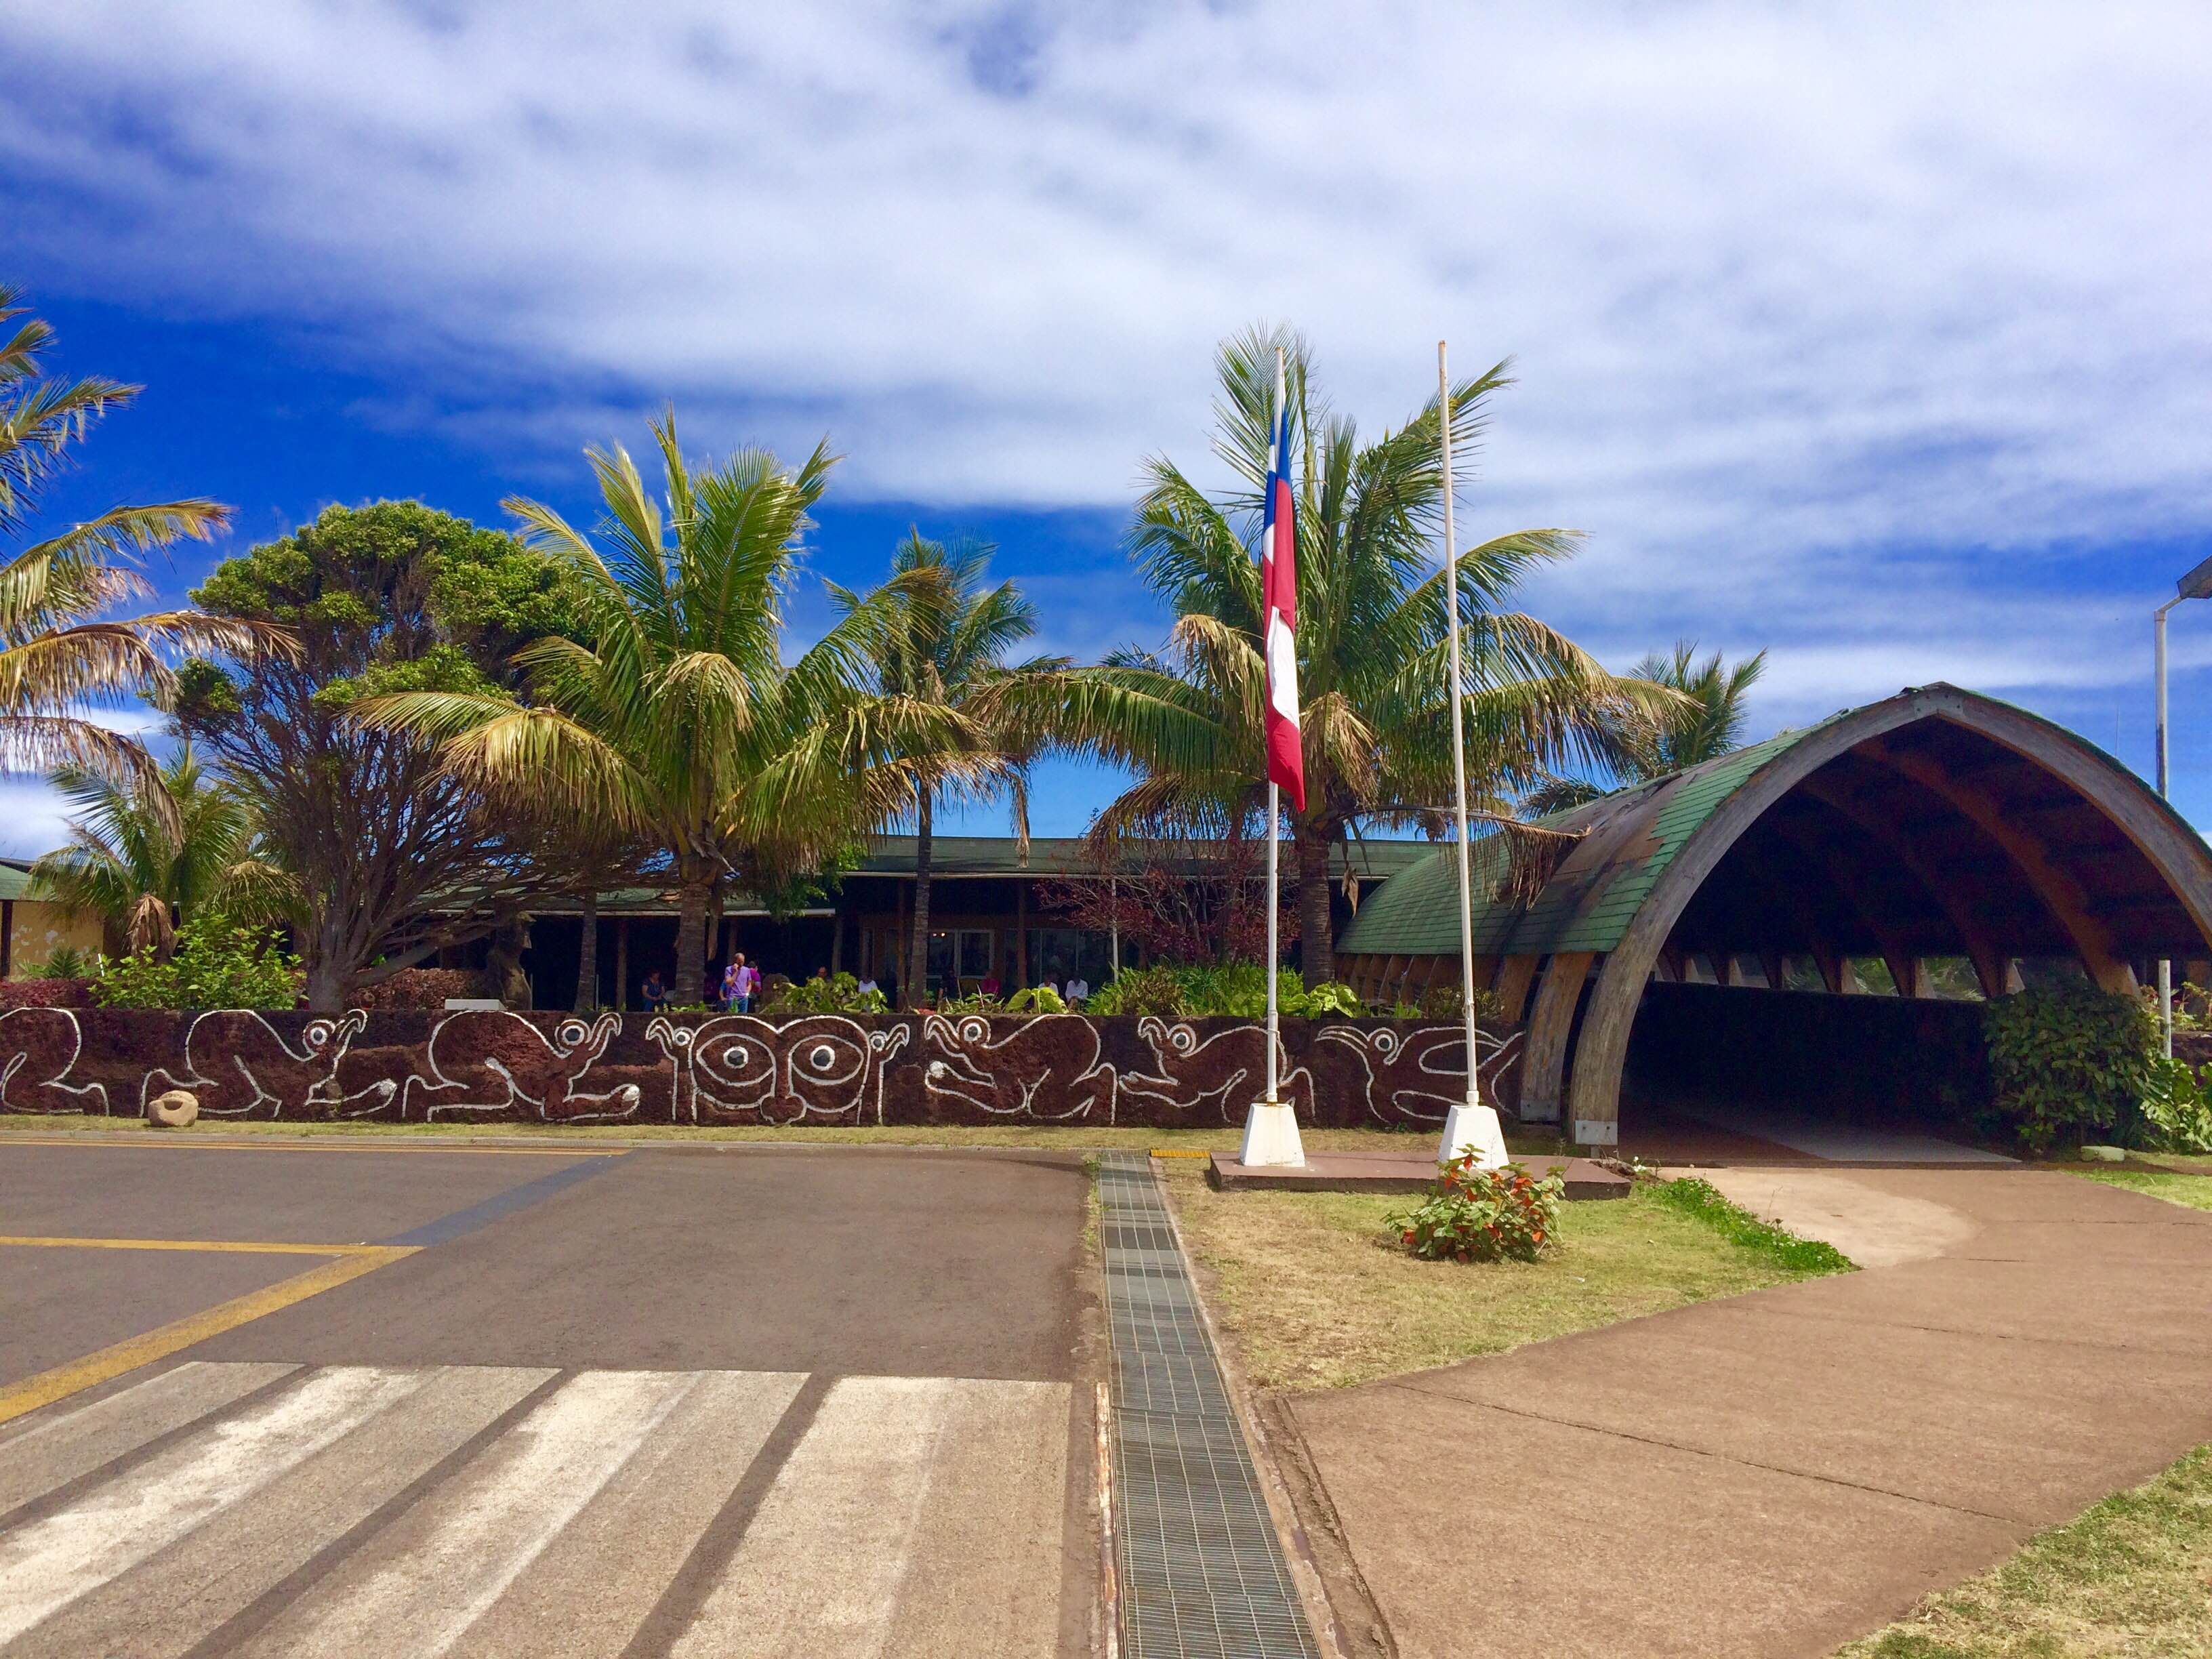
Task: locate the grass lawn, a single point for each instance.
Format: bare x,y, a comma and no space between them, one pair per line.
2194,1190
1314,1297
1225,1139
2131,1579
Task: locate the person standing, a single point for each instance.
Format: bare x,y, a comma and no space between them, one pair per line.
747,985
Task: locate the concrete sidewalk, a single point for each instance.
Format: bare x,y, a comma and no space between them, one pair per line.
1773,1475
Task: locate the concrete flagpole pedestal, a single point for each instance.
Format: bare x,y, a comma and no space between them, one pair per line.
1271,1137
1474,1128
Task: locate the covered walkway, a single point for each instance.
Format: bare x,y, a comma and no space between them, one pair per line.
1821,908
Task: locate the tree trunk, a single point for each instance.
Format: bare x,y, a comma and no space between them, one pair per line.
917,977
588,956
329,966
691,901
1317,941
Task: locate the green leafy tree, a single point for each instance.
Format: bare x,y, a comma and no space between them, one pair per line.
1375,711
390,855
64,654
1705,719
673,717
142,865
943,647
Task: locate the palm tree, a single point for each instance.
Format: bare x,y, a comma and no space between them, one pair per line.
944,648
62,654
680,723
1706,719
144,867
1371,640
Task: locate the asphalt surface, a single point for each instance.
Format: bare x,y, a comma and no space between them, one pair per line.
1770,1475
748,1401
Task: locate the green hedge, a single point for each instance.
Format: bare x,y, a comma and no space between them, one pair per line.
2070,1065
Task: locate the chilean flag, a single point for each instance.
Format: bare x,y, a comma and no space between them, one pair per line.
1278,595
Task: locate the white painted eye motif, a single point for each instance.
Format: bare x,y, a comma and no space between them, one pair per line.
821,1057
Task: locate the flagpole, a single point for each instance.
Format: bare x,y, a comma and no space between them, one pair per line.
1470,1126
1271,1128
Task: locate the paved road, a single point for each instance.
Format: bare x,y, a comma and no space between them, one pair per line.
752,1402
1772,1474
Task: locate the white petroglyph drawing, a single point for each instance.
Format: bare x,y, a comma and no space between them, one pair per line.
236,1062
488,1059
817,1067
38,1047
1228,1068
1046,1067
1417,1076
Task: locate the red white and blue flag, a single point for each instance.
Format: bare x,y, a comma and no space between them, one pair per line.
1278,598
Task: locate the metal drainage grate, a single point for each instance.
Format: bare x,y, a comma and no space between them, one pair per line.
1203,1572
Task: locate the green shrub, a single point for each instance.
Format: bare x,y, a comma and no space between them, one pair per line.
1141,991
840,993
215,964
2177,1107
1237,990
2070,1061
1473,1214
1037,1000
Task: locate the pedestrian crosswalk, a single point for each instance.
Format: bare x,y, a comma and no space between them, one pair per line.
260,1510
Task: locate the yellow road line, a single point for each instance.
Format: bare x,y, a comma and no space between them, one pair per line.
102,1138
1178,1152
244,1246
128,1355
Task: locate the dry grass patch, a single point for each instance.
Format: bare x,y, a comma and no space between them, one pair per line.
2131,1579
1314,1295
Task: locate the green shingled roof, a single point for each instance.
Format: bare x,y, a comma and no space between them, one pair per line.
1629,838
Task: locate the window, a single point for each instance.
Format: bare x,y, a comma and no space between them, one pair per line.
974,952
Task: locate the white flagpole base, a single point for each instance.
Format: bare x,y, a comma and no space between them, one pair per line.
1471,1128
1271,1137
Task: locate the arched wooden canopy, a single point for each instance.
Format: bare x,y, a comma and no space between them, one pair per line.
1934,824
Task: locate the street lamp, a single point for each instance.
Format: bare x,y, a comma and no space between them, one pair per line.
2196,584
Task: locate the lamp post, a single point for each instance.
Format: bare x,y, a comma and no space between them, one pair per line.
2196,584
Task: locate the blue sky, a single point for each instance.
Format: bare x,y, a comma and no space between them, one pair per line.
1874,336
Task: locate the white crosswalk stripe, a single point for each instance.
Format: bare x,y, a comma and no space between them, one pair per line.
476,1511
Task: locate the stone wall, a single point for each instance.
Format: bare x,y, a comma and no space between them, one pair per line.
419,1066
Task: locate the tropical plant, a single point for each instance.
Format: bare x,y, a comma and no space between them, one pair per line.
1236,990
942,646
391,859
1706,720
2070,1062
1375,711
141,865
838,994
64,654
65,961
1036,1000
2178,1106
672,718
217,964
1475,1214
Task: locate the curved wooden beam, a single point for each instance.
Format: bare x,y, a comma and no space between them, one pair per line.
2057,891
2175,851
1902,963
1980,950
1551,1022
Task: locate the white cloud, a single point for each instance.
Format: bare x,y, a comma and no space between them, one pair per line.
1842,328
